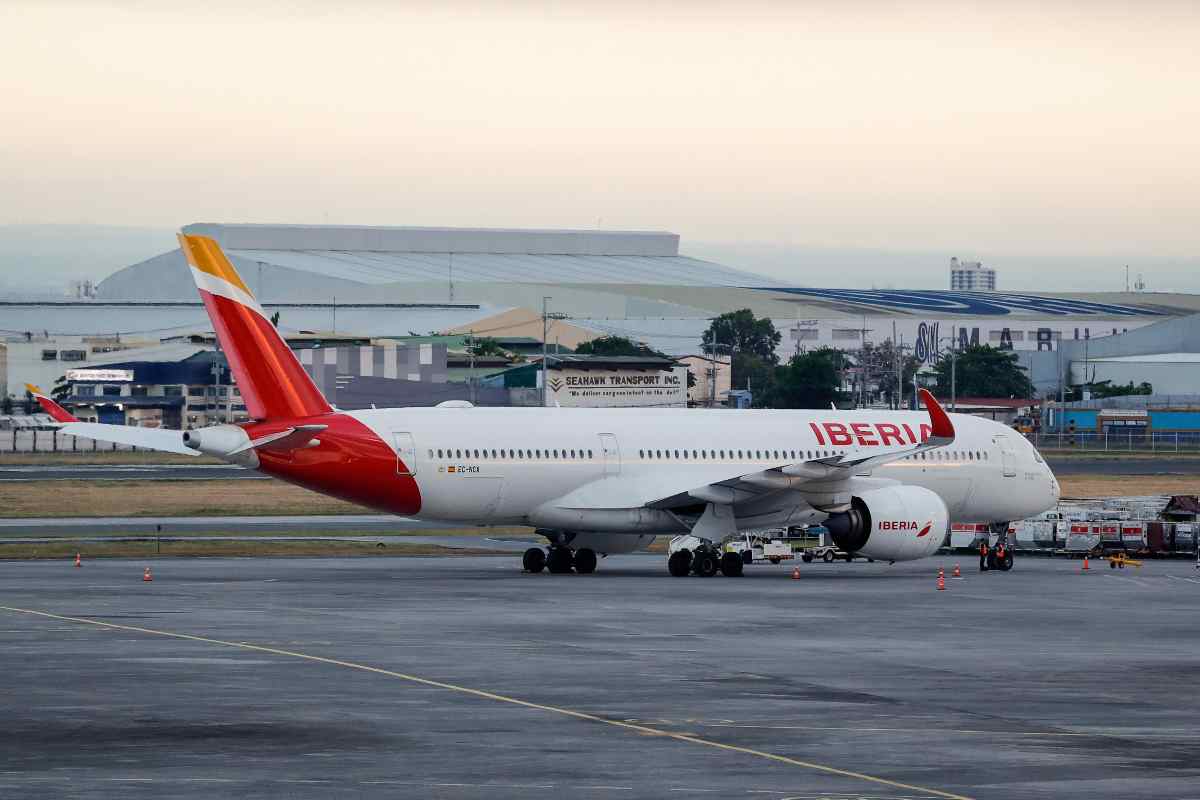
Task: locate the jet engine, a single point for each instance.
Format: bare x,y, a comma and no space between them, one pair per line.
893,523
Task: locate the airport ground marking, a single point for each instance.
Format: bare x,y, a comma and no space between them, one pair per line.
500,698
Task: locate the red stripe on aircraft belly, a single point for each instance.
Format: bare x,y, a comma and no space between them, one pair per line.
351,463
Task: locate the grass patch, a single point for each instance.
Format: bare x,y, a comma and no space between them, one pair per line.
133,498
1127,485
65,550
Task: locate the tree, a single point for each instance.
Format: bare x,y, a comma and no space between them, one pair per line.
808,380
751,372
1101,389
742,332
984,371
617,346
485,346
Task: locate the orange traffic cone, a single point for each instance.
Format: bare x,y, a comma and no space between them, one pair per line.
146,576
957,572
78,563
941,581
795,573
1085,564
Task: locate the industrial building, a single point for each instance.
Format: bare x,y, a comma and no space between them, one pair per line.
971,276
414,285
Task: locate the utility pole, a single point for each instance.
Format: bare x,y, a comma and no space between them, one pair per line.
546,318
953,369
471,354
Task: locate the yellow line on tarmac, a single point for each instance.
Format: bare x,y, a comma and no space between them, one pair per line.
500,698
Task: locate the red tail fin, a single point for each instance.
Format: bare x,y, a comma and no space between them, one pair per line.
272,382
56,412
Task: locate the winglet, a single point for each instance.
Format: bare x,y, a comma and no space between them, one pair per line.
943,428
56,412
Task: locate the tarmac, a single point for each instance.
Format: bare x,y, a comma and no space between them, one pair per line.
464,678
254,525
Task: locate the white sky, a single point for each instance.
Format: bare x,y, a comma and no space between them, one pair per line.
982,130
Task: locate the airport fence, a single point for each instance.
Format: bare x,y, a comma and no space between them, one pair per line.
46,441
1119,441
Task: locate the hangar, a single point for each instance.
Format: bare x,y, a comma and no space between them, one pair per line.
632,283
405,282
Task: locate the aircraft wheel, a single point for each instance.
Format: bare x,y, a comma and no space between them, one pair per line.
559,562
991,559
1121,564
704,564
731,565
680,563
849,557
1006,563
806,558
534,560
585,561
747,557
828,557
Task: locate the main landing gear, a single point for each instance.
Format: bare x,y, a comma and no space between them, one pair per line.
705,561
559,560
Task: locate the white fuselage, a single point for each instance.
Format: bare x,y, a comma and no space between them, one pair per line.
497,466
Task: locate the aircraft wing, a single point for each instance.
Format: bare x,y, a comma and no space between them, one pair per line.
162,439
822,477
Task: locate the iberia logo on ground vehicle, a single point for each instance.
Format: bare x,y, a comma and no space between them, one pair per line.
905,525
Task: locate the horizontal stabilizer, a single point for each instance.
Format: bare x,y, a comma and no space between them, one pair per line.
295,438
161,439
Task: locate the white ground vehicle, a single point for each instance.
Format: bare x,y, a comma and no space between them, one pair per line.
827,553
759,548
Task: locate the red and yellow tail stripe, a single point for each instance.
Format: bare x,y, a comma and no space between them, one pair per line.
271,380
56,412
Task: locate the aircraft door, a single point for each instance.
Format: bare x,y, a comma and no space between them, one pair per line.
1007,457
406,453
611,454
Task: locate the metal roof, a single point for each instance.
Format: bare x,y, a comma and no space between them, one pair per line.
372,267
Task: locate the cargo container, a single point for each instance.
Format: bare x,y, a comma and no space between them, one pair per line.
1081,539
1133,537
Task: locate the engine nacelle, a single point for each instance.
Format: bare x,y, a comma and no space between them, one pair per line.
894,523
221,441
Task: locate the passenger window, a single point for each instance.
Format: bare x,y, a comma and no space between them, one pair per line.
677,454
439,453
589,453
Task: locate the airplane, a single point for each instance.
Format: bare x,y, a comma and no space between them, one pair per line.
597,481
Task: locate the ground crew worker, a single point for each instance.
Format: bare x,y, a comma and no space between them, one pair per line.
983,551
